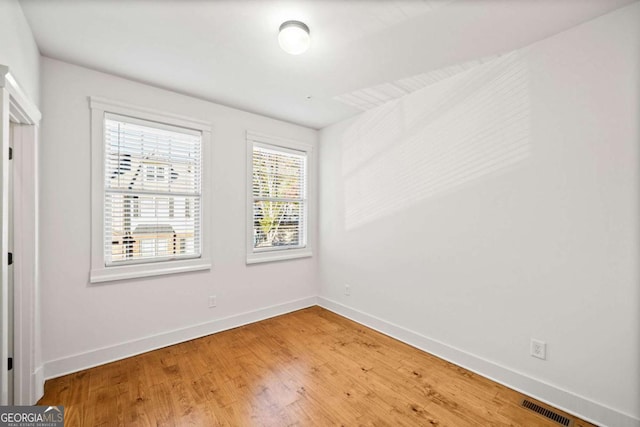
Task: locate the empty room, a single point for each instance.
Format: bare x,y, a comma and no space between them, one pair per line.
320,213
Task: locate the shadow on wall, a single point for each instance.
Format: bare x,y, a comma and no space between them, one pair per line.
436,139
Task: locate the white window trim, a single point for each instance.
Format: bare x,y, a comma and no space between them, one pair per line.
254,257
99,272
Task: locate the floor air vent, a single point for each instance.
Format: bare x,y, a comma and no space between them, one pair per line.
554,416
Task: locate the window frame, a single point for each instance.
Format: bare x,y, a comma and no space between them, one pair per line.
99,272
285,145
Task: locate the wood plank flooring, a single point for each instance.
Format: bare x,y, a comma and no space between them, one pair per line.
307,368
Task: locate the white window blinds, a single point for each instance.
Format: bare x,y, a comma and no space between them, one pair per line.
152,194
279,198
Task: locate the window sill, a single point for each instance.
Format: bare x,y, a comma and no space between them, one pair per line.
272,256
108,274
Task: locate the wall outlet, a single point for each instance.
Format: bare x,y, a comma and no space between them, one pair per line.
539,349
212,301
347,290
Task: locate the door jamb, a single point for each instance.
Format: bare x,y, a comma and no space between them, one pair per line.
16,106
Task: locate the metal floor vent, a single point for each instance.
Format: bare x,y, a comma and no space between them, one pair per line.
554,416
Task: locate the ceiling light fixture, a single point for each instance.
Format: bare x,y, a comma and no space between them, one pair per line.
294,37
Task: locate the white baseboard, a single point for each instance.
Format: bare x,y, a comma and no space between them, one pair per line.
562,399
100,356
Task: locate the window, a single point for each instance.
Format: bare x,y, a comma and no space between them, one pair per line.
278,199
148,170
148,192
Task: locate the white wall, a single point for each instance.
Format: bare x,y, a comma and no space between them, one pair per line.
501,205
18,49
86,324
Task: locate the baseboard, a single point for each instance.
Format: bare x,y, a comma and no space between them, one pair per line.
78,362
564,400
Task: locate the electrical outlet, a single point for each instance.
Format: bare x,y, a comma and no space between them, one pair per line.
347,290
212,301
539,349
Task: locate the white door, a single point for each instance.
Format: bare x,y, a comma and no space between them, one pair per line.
10,292
6,270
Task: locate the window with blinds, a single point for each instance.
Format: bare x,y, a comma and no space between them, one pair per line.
152,191
279,189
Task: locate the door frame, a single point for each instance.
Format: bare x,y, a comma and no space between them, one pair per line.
16,106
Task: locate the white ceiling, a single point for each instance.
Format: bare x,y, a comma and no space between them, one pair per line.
227,51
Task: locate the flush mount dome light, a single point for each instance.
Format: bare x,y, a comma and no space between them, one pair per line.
294,37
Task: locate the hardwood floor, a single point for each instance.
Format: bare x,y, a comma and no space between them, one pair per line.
307,368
